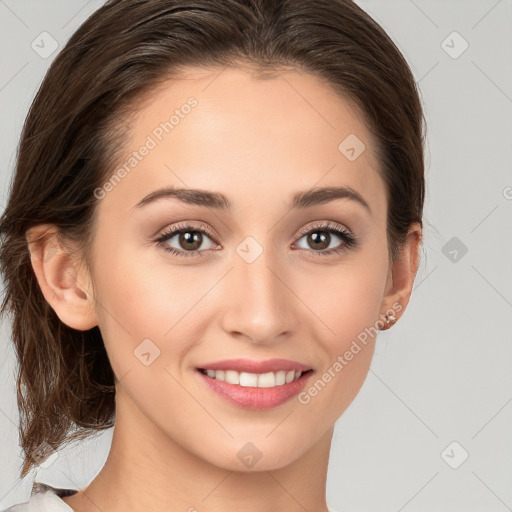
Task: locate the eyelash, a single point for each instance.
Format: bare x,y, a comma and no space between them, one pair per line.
349,240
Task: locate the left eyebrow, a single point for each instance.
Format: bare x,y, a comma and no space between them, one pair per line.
300,200
317,196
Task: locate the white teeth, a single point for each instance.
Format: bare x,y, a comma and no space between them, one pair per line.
248,379
232,377
281,378
260,380
266,380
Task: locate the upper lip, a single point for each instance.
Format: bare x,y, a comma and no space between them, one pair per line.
252,366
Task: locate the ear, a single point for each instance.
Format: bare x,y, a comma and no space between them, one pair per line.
402,273
64,283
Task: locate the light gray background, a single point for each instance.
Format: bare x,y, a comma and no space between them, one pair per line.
443,374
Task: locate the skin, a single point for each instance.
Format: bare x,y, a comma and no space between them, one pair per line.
175,442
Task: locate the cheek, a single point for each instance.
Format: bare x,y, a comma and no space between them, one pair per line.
348,307
130,307
142,295
346,298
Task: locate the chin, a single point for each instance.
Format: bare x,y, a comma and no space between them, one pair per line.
253,456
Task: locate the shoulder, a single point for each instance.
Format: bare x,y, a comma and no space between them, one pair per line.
44,498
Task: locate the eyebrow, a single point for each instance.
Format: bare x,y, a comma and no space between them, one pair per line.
300,200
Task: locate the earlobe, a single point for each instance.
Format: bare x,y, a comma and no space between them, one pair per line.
64,285
402,274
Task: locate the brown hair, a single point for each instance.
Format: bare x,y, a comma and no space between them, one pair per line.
74,129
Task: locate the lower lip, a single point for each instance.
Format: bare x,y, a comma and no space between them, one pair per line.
253,397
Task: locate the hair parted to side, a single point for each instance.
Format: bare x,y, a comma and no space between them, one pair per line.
75,128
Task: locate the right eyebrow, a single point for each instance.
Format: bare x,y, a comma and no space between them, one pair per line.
187,195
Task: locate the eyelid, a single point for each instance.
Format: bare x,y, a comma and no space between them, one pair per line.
184,225
324,224
303,231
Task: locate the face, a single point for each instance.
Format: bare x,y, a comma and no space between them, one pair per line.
254,275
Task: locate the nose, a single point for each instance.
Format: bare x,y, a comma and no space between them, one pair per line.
258,302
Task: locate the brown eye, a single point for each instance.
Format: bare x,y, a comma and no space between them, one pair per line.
319,238
190,240
319,241
187,240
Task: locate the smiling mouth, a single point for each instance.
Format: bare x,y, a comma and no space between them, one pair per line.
260,380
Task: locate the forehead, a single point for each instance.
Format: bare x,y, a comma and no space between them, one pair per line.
232,130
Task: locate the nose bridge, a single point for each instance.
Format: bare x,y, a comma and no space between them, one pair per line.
259,302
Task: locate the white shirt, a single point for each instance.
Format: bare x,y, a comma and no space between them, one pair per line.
45,498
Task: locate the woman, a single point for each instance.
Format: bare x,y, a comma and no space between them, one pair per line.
215,209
